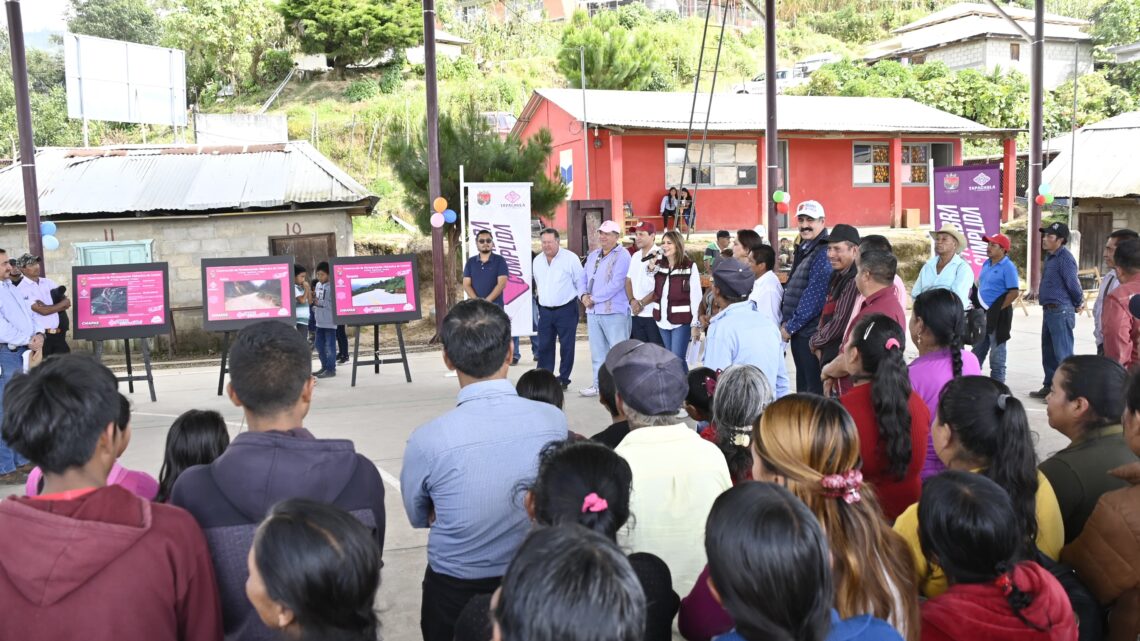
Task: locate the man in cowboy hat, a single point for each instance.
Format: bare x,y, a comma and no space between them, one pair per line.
946,270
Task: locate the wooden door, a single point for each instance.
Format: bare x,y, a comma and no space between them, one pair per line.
307,250
1095,228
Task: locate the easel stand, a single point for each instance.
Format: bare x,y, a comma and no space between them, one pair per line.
375,361
130,378
225,362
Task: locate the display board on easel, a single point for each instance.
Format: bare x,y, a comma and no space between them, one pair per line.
237,292
121,302
376,290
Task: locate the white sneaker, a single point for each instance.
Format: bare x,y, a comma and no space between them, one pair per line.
589,391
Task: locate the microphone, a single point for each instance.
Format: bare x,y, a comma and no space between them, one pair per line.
653,255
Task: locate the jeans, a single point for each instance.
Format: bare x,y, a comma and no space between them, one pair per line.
10,363
341,342
997,356
517,354
645,330
676,340
326,348
808,369
558,324
605,331
1056,338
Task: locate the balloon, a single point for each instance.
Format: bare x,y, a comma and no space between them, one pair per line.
449,216
1040,200
780,196
437,220
51,243
1049,199
439,204
782,207
1045,189
47,228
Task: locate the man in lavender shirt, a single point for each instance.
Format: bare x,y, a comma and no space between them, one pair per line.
602,292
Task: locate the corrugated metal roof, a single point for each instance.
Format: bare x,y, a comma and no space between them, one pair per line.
745,112
182,178
977,8
1105,161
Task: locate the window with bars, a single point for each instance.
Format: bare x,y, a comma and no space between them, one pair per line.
872,164
725,164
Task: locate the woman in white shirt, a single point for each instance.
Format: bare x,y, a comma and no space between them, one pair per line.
678,293
669,208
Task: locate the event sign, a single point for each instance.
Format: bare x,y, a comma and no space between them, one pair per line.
504,210
372,290
969,198
121,301
240,291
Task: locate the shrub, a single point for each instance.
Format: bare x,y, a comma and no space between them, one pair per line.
362,90
391,79
275,64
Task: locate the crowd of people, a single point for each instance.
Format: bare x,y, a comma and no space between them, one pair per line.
877,499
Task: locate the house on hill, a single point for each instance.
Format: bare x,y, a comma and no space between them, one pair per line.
865,159
976,36
1105,182
179,204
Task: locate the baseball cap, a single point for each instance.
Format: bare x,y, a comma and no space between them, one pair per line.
810,208
733,277
27,259
1001,240
842,232
648,377
1060,230
610,227
645,226
952,231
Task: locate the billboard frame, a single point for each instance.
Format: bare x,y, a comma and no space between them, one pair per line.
130,331
237,324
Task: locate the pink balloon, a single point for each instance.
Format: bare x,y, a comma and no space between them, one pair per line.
437,220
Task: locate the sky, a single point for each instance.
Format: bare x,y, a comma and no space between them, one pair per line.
43,14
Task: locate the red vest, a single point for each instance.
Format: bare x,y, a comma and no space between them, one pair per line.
678,309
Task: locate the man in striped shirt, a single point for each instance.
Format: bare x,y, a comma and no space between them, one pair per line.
1061,300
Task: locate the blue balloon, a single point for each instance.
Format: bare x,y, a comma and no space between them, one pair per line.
449,216
47,228
51,243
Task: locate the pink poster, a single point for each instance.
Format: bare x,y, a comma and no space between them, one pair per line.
122,299
241,292
374,288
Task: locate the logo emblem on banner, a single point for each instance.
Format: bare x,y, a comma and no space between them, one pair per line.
484,198
512,197
950,182
981,180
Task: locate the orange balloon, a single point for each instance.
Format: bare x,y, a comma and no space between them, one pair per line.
439,204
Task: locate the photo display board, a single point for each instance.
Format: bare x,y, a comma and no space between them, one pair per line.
371,290
240,291
121,301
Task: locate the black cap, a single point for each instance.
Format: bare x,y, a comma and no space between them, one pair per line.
1060,230
648,377
723,234
733,278
841,233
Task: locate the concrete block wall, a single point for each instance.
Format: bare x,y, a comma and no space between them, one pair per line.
1058,59
963,55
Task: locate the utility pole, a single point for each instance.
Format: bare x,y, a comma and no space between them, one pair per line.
585,125
772,144
24,125
434,190
1033,264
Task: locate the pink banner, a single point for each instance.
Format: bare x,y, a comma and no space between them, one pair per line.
123,299
374,288
969,198
238,292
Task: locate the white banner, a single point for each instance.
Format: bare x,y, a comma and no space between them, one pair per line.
504,210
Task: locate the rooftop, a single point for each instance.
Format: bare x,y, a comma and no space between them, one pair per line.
164,179
670,111
1103,166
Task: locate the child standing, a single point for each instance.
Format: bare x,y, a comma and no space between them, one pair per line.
326,328
303,296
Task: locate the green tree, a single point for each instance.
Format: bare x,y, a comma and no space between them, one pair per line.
465,138
350,31
616,58
1118,23
130,20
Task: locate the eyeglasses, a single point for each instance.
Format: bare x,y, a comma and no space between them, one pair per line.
484,241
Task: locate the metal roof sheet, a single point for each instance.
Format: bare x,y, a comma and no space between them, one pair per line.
745,112
1104,166
181,178
982,9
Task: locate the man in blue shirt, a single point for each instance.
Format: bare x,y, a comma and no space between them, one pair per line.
485,276
740,334
1061,300
998,287
805,294
461,470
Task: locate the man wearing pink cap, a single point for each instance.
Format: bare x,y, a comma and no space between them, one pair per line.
997,289
602,291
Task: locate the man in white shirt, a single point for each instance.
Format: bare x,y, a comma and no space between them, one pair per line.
676,474
556,275
639,284
18,334
36,292
767,291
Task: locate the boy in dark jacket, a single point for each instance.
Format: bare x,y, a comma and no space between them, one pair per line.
83,560
276,459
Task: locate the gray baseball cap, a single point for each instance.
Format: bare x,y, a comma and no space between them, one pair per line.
648,377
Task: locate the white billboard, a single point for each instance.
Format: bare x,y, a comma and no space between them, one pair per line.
123,81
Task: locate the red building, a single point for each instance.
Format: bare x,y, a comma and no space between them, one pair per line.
865,159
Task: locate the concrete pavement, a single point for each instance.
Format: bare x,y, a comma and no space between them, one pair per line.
382,411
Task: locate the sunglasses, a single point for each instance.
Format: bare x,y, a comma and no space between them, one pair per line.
484,241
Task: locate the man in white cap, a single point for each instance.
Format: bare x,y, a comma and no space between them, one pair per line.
601,289
805,294
946,270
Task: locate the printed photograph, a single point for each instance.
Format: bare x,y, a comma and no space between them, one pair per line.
379,291
242,295
108,300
